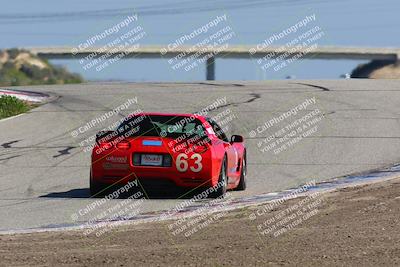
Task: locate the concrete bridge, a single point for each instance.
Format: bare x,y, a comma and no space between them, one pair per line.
390,55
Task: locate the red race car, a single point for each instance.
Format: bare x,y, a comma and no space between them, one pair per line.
188,150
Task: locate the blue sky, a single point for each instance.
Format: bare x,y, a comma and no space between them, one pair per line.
58,23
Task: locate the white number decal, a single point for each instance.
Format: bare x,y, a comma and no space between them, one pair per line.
182,164
197,162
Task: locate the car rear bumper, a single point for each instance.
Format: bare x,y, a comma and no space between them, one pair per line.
152,175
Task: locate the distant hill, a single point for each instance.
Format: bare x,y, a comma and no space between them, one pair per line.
377,69
20,67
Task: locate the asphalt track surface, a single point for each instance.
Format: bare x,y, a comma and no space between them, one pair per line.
44,172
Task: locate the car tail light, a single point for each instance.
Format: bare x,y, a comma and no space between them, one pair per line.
105,145
123,145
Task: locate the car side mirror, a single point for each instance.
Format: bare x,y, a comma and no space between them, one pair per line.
236,139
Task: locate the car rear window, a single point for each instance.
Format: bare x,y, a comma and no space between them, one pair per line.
165,126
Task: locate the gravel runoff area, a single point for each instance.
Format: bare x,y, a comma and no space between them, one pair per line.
349,226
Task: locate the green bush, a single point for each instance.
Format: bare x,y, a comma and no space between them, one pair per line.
13,77
11,106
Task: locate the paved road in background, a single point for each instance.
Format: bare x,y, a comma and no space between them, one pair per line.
44,172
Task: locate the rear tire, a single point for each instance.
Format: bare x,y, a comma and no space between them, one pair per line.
242,183
220,188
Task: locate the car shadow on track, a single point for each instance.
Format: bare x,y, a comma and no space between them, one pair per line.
74,193
170,193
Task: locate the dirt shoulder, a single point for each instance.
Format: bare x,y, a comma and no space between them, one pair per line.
352,226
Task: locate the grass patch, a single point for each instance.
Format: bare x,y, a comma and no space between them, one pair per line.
11,106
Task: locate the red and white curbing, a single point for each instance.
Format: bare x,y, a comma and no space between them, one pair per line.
26,95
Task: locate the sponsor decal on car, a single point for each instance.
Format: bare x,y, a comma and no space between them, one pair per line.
116,159
114,166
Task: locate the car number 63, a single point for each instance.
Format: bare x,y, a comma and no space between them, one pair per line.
182,162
